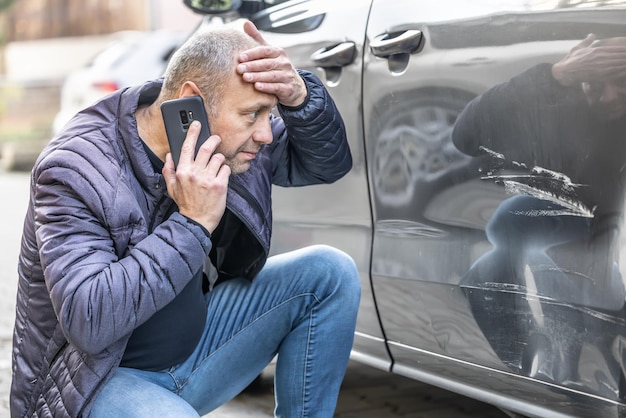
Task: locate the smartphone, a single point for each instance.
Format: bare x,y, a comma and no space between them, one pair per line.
177,116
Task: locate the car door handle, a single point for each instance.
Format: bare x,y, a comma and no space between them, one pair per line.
387,44
337,56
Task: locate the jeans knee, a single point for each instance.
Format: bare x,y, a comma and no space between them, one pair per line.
339,269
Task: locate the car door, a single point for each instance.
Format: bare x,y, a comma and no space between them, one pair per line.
316,37
495,259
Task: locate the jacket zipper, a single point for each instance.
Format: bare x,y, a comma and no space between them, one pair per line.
42,379
248,197
156,212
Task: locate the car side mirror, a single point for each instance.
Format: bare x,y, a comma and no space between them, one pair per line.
210,7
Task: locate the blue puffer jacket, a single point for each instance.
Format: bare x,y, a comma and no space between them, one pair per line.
98,257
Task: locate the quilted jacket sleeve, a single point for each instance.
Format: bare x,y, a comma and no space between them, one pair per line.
310,144
80,204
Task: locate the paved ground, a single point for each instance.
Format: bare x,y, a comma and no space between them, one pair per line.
369,393
366,393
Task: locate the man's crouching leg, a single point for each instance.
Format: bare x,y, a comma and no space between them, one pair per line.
313,357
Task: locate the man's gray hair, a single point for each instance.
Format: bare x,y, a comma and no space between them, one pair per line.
207,58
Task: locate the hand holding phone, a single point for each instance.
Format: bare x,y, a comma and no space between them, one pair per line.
177,116
198,184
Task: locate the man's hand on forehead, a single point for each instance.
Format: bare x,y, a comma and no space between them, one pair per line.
592,61
270,70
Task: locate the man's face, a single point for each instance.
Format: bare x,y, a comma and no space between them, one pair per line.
607,96
607,99
242,121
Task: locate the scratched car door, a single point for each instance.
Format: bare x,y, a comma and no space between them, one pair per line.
493,272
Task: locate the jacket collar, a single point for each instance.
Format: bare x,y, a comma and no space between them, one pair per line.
128,134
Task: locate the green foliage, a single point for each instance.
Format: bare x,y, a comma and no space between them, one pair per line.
5,4
8,92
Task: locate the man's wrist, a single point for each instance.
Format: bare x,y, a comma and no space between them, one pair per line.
204,229
561,76
301,99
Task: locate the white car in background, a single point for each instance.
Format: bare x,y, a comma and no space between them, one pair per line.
132,58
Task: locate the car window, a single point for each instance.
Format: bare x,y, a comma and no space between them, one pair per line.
294,16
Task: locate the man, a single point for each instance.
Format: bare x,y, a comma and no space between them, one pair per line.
144,294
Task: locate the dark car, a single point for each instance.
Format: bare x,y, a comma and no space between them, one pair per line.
486,203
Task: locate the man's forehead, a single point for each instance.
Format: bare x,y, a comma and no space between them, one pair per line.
246,93
256,102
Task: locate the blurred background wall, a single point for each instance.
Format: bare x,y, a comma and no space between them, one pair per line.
41,41
37,19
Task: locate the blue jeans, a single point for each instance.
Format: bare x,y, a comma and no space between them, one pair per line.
302,307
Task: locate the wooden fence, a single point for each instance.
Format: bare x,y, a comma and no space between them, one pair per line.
37,19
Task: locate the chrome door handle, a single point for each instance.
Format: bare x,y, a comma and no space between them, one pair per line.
337,56
406,43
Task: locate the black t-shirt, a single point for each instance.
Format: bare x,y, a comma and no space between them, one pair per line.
172,333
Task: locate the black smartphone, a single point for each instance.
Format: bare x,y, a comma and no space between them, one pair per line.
177,116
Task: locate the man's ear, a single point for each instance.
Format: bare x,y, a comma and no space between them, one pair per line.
189,88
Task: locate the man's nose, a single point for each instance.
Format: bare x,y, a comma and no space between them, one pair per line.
263,133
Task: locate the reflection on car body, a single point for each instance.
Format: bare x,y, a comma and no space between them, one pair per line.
485,208
555,239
